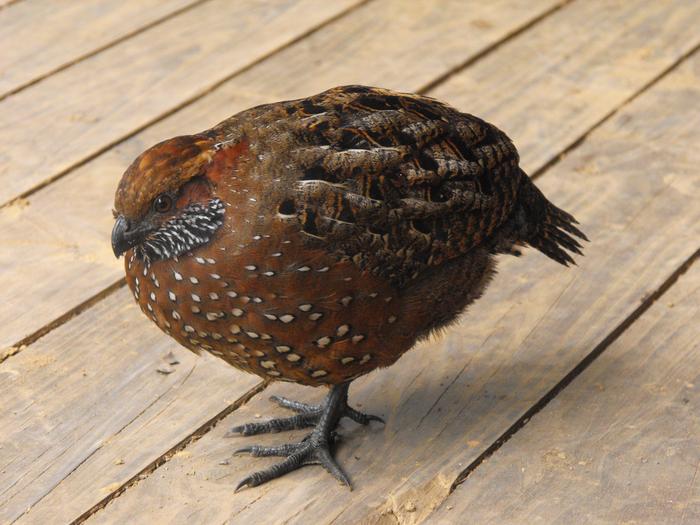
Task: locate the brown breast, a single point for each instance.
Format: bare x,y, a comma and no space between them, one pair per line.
266,304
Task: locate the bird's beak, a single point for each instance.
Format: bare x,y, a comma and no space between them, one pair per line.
120,240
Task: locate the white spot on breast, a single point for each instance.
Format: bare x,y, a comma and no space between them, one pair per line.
251,267
211,261
346,360
323,342
305,307
303,269
150,308
265,336
136,280
235,329
287,318
172,296
282,349
200,260
257,237
342,330
216,335
213,316
293,357
152,296
268,364
391,319
324,269
269,273
388,299
178,277
273,373
271,317
237,312
319,373
315,316
195,309
214,276
188,328
232,294
213,296
276,254
196,298
348,279
365,358
253,335
176,315
194,280
257,300
346,300
357,338
373,295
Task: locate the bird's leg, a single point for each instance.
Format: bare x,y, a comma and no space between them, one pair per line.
315,448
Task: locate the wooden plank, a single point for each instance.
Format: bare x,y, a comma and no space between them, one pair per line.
69,116
544,89
633,184
621,444
40,36
88,397
63,242
90,473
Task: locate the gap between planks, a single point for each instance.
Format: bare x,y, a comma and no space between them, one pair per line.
536,407
163,458
578,369
441,79
99,151
97,50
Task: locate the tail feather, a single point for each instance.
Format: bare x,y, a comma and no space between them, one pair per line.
544,226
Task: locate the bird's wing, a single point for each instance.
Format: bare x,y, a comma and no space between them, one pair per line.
397,182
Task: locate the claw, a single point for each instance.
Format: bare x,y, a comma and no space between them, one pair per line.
313,449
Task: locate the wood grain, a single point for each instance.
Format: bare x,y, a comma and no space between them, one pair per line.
633,184
63,242
40,36
572,69
88,398
620,445
72,115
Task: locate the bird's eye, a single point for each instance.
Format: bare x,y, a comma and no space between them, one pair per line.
162,203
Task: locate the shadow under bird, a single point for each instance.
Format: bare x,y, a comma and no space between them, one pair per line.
316,240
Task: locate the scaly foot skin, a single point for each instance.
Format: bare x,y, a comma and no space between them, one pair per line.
314,449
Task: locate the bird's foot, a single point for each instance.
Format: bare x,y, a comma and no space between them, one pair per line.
315,448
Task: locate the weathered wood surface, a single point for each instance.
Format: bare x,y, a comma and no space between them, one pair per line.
573,69
110,95
71,440
633,184
88,397
620,445
71,264
63,242
80,475
37,37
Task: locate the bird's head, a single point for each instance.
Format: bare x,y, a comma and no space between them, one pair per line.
166,203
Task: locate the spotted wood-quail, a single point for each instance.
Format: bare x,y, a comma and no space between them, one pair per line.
315,240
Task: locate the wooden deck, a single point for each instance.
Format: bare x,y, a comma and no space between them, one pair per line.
563,396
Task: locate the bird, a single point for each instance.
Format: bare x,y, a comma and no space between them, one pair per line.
315,240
